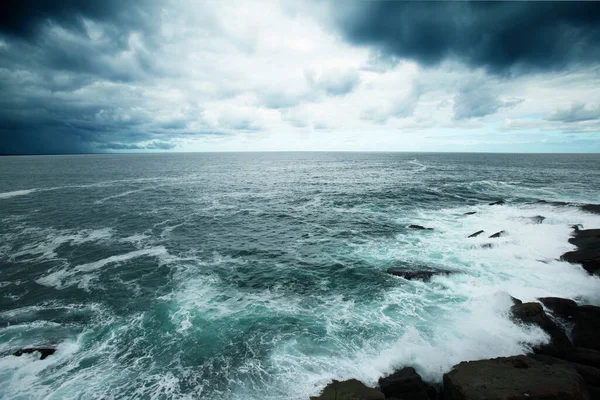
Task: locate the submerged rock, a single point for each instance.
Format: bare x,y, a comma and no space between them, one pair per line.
497,203
470,213
487,246
538,219
406,384
563,308
497,234
420,275
419,227
514,378
533,313
44,351
351,389
475,234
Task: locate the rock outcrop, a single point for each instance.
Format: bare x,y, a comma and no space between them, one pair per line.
498,234
43,351
419,227
533,313
475,234
562,308
588,250
406,384
420,275
497,203
351,389
514,378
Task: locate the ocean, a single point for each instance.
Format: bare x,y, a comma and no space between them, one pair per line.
245,276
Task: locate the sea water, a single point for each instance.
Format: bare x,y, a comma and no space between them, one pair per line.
263,275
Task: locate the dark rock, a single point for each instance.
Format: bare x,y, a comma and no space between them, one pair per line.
514,378
576,227
578,355
351,389
497,203
590,375
591,208
498,234
533,313
406,384
594,392
44,351
419,227
588,258
516,301
587,327
470,213
487,246
538,219
563,308
475,234
586,239
421,275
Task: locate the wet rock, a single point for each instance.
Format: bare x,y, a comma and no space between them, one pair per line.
351,389
587,327
563,308
487,246
576,227
588,250
577,355
538,219
420,275
406,384
497,203
470,213
514,378
533,313
44,351
497,234
515,300
590,375
588,258
419,227
475,234
591,208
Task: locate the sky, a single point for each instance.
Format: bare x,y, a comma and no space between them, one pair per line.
80,76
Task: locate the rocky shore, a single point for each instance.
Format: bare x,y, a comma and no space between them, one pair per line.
567,367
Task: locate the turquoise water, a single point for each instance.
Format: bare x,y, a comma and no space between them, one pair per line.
262,275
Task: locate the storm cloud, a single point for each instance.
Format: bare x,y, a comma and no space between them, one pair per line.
502,37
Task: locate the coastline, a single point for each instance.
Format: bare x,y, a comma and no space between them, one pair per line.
567,367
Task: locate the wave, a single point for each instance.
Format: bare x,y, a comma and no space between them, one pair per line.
8,195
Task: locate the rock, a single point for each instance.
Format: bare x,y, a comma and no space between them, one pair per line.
533,313
487,246
514,378
44,351
351,389
563,308
538,219
588,258
515,300
498,234
470,213
497,203
586,239
591,208
406,384
586,327
590,375
576,227
475,234
419,227
421,275
577,355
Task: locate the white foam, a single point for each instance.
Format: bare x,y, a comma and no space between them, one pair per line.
82,275
8,195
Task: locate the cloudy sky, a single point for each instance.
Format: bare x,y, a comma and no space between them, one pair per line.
121,76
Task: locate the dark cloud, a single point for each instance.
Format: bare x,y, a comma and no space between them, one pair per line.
577,113
503,37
